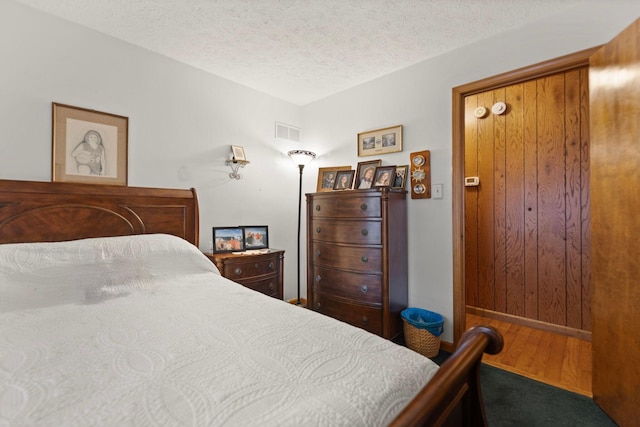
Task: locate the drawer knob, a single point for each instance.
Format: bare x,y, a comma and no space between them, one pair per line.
364,289
318,230
363,207
272,266
238,271
256,265
318,305
318,208
271,286
365,259
318,252
365,320
364,232
318,278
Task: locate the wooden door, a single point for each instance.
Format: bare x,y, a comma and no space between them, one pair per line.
527,223
615,203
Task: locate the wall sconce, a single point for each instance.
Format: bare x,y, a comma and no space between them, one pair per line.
238,160
300,158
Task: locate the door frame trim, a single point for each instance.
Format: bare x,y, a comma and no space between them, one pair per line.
542,69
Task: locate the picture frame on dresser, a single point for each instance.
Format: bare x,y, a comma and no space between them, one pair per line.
344,180
256,236
228,239
327,177
88,146
365,173
384,176
400,179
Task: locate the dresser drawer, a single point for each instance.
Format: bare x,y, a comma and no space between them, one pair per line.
346,207
367,318
365,288
262,272
358,258
355,232
267,286
239,270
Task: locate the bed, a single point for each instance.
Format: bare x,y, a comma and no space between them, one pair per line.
110,315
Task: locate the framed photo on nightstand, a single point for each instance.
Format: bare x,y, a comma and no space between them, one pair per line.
256,236
228,239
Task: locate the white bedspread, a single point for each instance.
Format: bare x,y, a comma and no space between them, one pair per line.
144,331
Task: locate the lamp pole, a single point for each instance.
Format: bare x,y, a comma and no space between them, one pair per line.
299,226
301,157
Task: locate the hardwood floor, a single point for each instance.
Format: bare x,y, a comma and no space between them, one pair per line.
554,359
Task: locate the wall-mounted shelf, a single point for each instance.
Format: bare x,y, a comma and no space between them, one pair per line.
235,167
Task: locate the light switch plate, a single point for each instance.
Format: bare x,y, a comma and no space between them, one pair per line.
437,191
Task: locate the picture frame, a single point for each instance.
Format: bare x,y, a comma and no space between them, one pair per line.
228,239
256,237
384,176
400,179
344,180
88,146
380,141
327,177
238,153
365,174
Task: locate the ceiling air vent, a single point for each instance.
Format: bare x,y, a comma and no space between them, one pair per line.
287,132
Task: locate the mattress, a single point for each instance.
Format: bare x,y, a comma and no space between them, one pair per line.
143,330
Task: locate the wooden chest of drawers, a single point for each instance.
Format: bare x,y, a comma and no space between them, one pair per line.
357,257
260,272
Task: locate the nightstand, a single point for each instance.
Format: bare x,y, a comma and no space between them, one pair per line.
262,272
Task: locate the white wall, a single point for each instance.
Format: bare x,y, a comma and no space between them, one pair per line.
183,120
419,98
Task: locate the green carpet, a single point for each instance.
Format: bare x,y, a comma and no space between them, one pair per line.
513,400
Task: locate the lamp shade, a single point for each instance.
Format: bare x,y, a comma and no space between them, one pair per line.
301,157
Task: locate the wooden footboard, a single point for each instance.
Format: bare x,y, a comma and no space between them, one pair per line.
453,396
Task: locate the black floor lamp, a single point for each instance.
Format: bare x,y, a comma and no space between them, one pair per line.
301,158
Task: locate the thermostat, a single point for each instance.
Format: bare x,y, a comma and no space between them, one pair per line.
471,181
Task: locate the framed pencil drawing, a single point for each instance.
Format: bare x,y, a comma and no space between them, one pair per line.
89,146
381,141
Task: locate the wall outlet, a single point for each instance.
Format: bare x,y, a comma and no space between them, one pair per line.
437,191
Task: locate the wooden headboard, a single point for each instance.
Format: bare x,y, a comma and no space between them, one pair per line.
56,211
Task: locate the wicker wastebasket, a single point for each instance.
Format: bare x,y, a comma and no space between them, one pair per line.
422,330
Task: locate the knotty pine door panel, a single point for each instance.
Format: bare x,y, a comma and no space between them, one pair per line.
527,223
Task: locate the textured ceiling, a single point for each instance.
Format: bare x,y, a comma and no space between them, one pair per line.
300,50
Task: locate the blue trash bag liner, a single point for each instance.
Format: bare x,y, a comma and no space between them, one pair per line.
424,319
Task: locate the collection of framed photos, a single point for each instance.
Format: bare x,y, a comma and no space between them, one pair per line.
369,174
240,239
